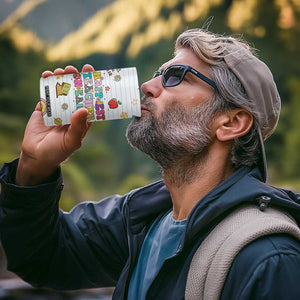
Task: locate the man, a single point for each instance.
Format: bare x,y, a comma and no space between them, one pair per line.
205,115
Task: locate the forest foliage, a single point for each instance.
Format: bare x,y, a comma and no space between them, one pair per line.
106,164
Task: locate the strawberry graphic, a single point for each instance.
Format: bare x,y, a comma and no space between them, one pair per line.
113,103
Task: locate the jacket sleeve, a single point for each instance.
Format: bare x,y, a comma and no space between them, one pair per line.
46,247
268,268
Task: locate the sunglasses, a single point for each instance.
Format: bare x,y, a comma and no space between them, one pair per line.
174,75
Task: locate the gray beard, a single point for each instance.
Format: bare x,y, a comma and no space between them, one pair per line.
177,140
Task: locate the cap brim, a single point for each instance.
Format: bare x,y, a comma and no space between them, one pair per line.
262,162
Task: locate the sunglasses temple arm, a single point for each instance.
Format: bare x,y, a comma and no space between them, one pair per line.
204,78
209,81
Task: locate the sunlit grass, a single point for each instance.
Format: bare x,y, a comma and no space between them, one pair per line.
140,25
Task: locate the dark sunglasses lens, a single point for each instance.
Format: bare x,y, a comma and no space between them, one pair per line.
173,75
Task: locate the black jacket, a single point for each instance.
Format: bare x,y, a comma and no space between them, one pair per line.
98,244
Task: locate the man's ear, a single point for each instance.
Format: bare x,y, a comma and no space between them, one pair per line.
233,124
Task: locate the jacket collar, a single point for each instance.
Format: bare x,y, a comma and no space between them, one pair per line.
243,186
146,204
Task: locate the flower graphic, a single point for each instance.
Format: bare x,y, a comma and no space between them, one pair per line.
124,115
58,121
64,106
135,101
117,78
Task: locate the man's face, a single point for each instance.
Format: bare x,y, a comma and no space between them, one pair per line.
191,92
175,122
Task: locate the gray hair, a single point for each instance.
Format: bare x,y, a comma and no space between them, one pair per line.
229,94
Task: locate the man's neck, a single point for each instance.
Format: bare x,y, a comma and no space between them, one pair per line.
201,177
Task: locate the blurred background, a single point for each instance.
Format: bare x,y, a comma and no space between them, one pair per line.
38,35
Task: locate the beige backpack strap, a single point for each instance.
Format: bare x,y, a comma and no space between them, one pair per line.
212,260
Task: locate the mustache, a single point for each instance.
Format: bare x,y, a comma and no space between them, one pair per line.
146,101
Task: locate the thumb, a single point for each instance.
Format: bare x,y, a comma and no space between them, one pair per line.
77,130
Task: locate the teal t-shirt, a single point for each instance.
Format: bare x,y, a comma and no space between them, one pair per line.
161,242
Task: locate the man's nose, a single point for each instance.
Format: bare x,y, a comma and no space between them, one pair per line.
152,88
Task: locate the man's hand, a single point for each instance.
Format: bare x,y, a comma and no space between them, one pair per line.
44,147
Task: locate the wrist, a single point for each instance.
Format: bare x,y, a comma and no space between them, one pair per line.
32,172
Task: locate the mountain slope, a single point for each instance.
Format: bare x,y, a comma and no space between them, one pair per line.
133,22
75,29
